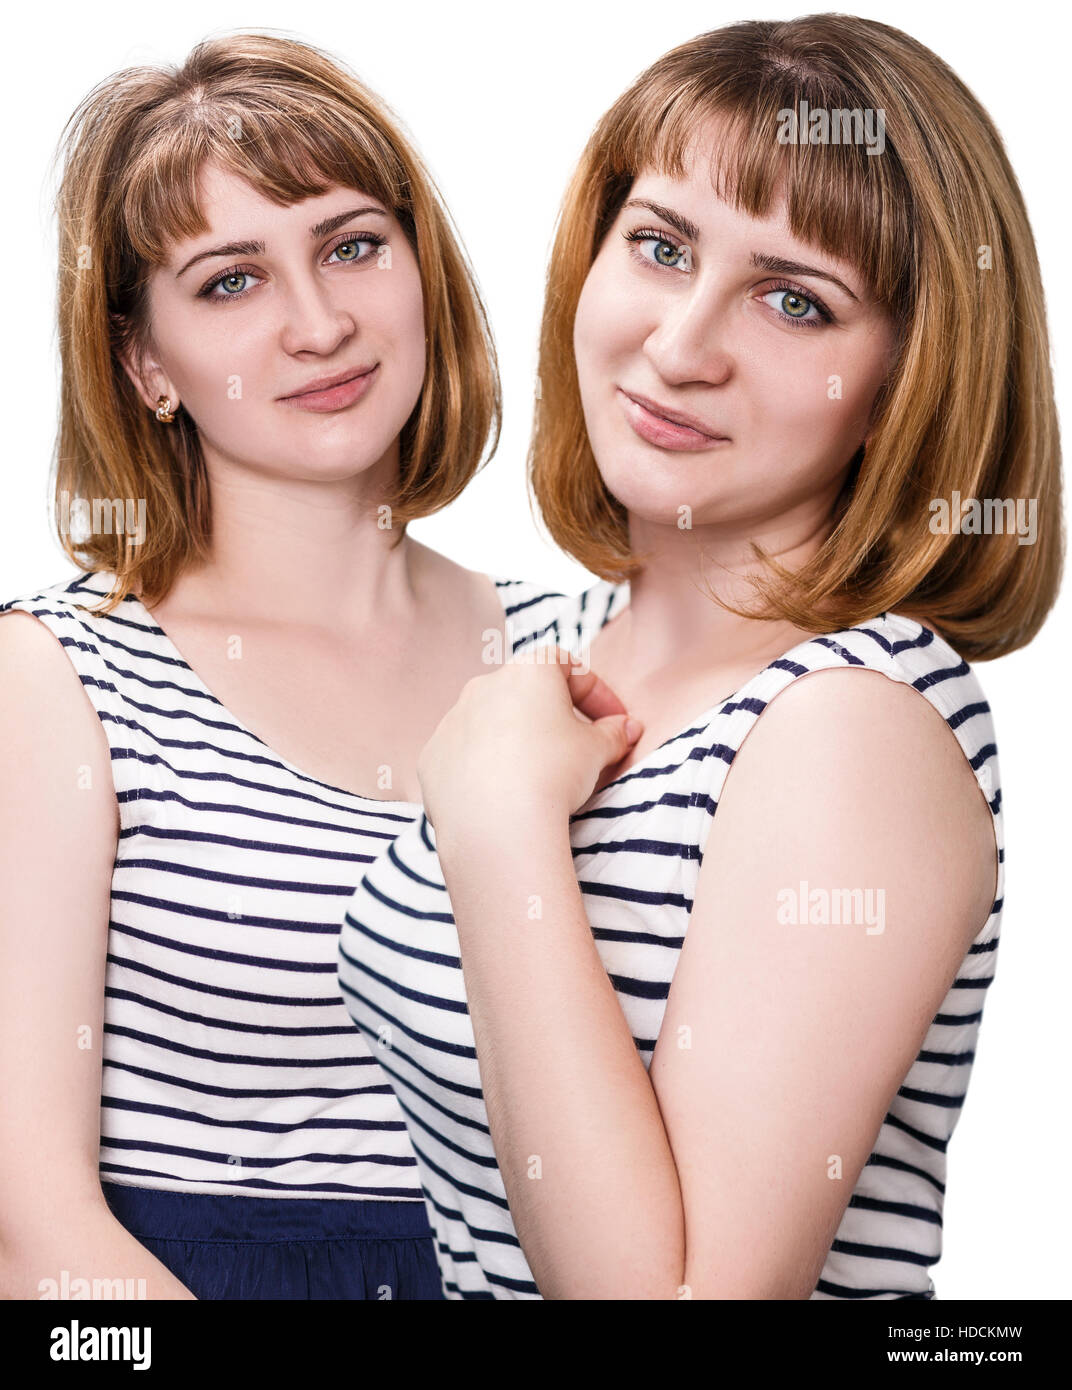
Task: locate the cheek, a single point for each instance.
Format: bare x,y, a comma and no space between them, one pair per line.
820,395
585,334
216,362
402,284
607,326
394,312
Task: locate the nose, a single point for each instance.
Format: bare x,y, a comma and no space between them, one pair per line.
314,322
688,343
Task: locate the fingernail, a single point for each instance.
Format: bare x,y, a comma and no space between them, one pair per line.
633,729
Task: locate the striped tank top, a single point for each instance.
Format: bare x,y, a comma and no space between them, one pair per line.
230,1064
401,977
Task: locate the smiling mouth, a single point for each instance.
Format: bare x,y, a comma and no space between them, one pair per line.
328,384
660,430
336,396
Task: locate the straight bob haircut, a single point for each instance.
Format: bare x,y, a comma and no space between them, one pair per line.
291,121
937,226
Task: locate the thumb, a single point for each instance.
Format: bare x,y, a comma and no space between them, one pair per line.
618,733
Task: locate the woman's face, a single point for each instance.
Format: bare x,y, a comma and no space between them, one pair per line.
687,312
272,300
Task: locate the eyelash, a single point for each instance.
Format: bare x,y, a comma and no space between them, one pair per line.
206,291
825,316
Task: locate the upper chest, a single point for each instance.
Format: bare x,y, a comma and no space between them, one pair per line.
353,714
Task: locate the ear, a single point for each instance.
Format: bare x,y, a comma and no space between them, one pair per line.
150,379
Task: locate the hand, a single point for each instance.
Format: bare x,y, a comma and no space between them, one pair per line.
531,737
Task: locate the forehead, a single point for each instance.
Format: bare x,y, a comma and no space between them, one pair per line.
702,182
226,197
701,193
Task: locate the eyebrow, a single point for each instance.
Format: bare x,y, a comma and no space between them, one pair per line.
777,265
257,248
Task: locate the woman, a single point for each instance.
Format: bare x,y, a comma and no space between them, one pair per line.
273,350
724,970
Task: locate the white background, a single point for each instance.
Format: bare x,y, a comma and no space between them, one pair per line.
500,99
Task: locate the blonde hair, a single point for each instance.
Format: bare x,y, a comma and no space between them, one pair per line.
291,121
968,404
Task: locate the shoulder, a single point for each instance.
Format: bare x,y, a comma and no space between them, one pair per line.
891,681
868,725
533,611
71,598
468,587
526,601
50,648
854,768
54,741
37,672
530,608
834,717
56,616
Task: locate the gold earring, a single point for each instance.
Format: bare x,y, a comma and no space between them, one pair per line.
163,410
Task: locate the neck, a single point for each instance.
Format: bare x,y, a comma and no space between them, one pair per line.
292,550
671,618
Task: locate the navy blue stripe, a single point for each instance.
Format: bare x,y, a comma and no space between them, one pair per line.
209,953
344,1029
203,1088
263,1185
219,991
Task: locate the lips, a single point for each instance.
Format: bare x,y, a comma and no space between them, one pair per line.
675,417
672,430
325,383
333,394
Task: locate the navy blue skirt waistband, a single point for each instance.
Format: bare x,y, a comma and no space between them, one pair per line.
223,1247
167,1215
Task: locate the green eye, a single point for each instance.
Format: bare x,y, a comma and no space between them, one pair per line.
666,254
347,250
652,248
794,306
234,284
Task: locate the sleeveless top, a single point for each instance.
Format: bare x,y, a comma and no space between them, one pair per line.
229,1062
637,845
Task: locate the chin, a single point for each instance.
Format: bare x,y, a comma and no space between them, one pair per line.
654,486
659,506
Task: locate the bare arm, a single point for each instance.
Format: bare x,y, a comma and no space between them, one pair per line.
59,825
781,1045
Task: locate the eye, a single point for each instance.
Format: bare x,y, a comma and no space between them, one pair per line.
657,249
795,307
233,283
349,251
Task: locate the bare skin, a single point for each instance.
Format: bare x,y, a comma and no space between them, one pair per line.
349,704
351,649
707,1177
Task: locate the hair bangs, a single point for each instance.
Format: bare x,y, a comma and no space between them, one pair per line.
838,198
277,147
293,122
882,159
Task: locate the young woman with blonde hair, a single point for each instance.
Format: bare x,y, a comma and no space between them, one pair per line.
273,357
688,1009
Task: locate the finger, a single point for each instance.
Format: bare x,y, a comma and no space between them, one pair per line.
592,695
619,733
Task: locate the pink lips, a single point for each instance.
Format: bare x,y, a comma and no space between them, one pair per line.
665,433
335,395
